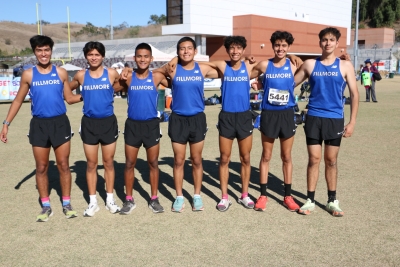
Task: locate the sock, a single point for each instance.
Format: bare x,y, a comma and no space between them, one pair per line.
311,195
129,198
244,195
288,189
196,195
225,196
93,198
45,201
331,196
110,197
263,189
66,200
179,197
154,197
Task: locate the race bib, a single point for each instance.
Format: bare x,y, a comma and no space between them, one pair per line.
278,97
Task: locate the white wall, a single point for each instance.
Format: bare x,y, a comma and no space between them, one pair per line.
214,17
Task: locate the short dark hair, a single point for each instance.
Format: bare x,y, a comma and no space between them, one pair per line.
331,30
143,46
94,45
41,40
282,35
237,40
185,39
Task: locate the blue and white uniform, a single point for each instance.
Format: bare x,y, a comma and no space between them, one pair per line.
188,91
46,92
235,89
50,125
98,95
278,87
99,124
327,88
235,119
142,98
187,122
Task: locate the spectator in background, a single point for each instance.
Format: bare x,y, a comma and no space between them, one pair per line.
370,90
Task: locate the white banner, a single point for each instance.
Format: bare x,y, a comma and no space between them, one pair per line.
212,83
5,84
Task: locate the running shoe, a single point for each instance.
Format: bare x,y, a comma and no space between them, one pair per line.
128,207
69,211
333,208
91,210
246,202
197,204
290,204
307,208
112,207
224,205
179,205
44,214
155,206
261,203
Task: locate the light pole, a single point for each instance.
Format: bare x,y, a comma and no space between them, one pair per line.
390,60
111,26
374,47
356,36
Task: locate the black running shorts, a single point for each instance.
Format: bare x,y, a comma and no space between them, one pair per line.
137,133
47,132
235,125
323,129
278,123
99,130
183,129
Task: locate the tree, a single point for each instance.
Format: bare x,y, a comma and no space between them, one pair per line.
389,15
133,31
155,19
377,20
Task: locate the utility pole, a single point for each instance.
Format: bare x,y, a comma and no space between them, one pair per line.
111,25
356,37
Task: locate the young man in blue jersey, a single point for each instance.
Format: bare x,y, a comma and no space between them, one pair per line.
277,115
142,127
47,86
328,77
99,124
187,123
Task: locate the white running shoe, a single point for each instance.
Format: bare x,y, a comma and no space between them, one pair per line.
91,210
246,202
112,207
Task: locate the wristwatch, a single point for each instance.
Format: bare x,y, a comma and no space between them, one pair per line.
6,123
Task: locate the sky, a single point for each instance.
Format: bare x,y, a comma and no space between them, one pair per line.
97,12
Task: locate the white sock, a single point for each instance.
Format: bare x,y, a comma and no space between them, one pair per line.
93,198
195,195
179,197
110,197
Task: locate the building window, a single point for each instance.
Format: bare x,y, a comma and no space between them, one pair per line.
174,12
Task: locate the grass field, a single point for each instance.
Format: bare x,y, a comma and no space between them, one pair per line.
368,190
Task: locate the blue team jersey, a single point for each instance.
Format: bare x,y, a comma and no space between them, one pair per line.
235,89
142,98
278,87
98,96
188,91
327,88
46,92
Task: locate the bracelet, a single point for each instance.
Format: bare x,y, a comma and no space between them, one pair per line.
6,123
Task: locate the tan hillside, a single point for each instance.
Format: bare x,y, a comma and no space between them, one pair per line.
18,34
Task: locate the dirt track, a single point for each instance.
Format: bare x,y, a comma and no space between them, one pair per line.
368,190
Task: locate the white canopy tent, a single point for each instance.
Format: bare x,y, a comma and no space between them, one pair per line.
161,56
70,67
